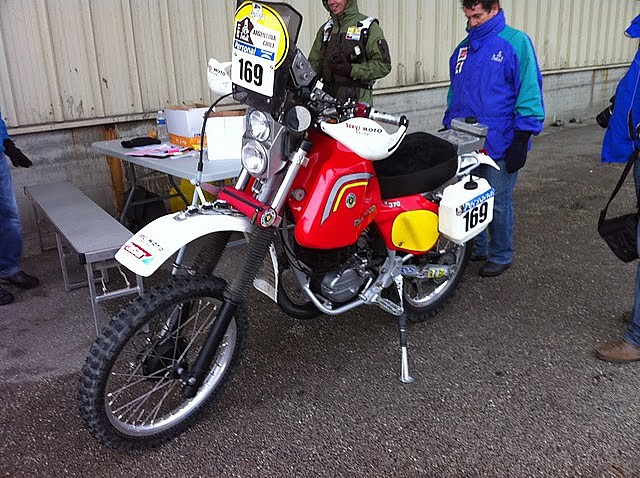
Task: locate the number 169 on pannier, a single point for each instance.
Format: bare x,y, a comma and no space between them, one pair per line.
466,209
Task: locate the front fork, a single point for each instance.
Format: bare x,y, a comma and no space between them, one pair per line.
235,294
233,297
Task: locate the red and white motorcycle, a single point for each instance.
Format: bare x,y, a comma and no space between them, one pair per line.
338,212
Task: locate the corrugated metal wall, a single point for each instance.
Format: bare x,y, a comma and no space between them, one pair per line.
71,62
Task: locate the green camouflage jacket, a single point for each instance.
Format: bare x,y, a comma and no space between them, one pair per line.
365,49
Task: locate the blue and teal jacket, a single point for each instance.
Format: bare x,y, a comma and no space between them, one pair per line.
3,133
621,138
495,77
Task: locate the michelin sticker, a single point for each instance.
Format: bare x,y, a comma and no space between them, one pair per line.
260,45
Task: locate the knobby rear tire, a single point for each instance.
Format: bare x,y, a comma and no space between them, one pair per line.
154,362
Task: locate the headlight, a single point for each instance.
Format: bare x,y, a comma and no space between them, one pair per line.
259,125
254,158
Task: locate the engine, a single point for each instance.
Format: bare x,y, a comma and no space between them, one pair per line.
344,284
340,274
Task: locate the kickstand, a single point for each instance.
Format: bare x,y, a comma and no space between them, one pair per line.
404,367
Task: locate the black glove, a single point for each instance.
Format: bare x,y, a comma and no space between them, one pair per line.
516,154
16,156
339,65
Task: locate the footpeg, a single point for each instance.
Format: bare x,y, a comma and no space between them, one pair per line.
389,306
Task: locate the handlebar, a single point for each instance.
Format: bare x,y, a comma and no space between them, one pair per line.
358,110
317,94
363,110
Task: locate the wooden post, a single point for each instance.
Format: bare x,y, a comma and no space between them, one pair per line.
115,166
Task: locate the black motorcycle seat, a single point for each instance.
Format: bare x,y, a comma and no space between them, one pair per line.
421,163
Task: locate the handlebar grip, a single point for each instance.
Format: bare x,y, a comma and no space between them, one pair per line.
383,117
317,94
366,111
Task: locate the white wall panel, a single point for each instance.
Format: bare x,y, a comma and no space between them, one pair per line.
114,45
76,62
72,61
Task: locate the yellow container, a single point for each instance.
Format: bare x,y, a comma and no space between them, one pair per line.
177,204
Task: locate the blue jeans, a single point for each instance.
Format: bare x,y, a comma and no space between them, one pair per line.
499,245
10,228
632,334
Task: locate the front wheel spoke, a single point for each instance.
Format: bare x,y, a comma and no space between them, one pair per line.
139,376
135,377
149,349
134,405
206,323
156,409
193,319
116,393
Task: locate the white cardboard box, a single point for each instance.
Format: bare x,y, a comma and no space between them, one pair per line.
185,124
224,134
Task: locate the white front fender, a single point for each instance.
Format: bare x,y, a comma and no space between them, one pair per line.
150,247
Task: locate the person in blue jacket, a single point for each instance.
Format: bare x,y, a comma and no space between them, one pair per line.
10,227
621,142
495,77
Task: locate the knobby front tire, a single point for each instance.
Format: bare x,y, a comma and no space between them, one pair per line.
130,394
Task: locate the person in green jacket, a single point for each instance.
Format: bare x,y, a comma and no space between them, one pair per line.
349,52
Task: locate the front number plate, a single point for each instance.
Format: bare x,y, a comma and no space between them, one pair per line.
260,44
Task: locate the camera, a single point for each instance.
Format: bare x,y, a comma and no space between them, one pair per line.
605,115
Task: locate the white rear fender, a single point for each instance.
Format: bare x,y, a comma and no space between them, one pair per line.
150,247
469,161
486,159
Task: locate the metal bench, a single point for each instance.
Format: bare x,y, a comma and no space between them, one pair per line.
87,229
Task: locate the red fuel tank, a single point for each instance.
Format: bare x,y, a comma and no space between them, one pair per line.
335,197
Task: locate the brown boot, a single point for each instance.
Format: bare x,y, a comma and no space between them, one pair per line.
620,351
625,317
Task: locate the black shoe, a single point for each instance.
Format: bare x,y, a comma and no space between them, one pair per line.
478,257
6,297
491,269
21,279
